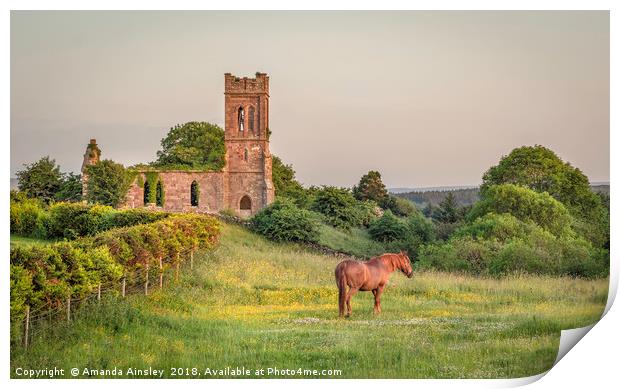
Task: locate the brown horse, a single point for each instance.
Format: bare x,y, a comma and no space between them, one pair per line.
370,275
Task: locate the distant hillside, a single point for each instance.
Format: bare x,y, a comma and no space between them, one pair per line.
463,197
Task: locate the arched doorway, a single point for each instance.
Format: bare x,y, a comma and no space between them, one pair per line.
245,204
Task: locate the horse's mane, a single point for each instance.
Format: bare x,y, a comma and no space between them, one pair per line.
392,258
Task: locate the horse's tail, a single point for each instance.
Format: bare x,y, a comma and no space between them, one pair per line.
341,283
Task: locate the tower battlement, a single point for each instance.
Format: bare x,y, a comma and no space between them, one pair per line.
246,85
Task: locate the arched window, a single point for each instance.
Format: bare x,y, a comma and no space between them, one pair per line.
147,192
245,203
194,194
159,194
240,118
251,119
245,155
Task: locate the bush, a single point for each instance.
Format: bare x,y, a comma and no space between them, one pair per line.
399,206
74,220
502,244
500,227
526,205
27,217
339,207
460,254
388,228
284,221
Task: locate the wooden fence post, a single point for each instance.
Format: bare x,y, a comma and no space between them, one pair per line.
99,292
191,259
146,281
123,287
69,308
161,273
176,273
26,326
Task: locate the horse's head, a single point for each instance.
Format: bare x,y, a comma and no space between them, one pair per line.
405,264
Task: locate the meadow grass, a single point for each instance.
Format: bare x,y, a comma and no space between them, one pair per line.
17,240
356,242
259,304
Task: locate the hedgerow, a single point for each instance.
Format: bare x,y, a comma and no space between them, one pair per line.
48,275
70,221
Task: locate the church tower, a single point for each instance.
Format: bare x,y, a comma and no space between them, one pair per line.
248,159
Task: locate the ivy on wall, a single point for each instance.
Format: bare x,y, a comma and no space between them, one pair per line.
150,187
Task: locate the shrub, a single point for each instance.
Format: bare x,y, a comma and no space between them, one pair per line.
26,217
399,206
284,221
526,205
131,217
502,244
387,228
74,220
500,227
338,206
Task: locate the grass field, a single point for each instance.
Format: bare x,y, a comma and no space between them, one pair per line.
257,304
17,240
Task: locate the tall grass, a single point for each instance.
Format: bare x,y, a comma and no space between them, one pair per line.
257,304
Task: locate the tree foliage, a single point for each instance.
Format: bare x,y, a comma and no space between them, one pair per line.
398,205
70,188
340,208
108,183
526,205
540,169
285,184
284,221
371,187
197,145
387,228
41,179
447,211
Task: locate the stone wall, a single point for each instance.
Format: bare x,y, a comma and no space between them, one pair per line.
177,191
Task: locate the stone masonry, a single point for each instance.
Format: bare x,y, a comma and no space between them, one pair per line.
244,185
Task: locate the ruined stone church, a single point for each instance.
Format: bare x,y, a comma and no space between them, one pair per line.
244,185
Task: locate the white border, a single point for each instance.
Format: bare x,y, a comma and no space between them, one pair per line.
592,361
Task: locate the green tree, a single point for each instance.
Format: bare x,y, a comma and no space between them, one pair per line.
398,205
41,179
388,228
540,169
285,184
70,188
108,183
526,205
371,187
447,211
338,205
197,145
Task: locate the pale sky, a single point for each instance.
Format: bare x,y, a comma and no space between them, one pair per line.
426,98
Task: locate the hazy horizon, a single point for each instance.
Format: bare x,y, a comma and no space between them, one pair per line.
428,98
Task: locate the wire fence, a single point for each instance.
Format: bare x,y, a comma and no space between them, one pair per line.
39,320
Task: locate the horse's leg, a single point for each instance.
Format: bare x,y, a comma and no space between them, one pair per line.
378,299
342,294
375,293
352,291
